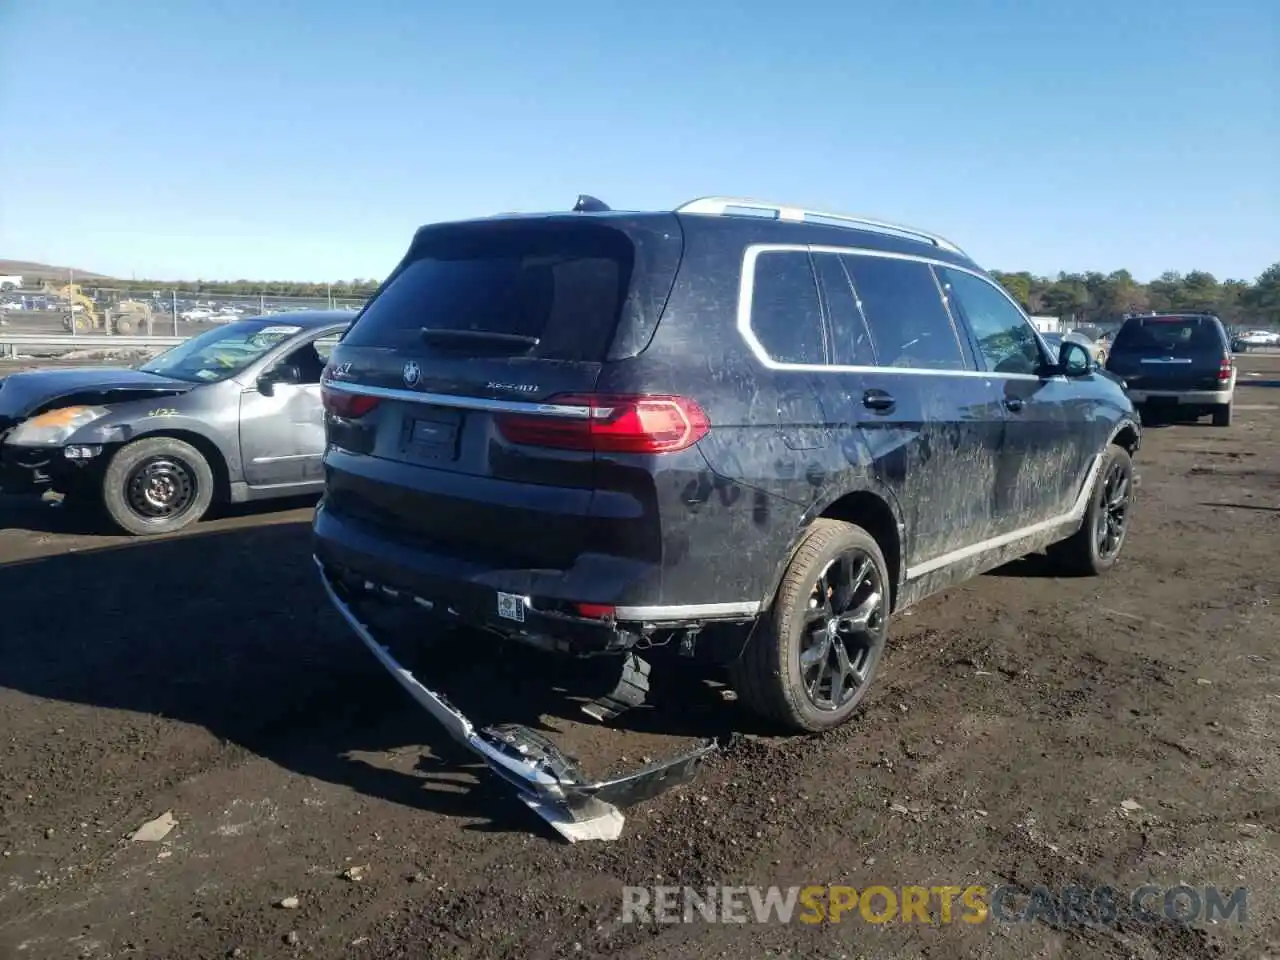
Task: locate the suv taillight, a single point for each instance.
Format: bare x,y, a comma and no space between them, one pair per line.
614,424
1224,370
348,406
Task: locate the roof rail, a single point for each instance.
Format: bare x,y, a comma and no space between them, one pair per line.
719,206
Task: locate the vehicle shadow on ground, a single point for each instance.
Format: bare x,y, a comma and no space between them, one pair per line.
1032,566
230,630
27,512
1152,421
1243,506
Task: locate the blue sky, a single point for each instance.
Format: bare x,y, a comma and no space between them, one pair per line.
307,140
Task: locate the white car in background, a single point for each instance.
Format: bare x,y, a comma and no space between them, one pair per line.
1256,338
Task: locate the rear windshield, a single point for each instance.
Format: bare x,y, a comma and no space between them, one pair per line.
1176,336
550,291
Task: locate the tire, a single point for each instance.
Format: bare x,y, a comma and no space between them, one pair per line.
177,466
1222,415
1081,554
768,676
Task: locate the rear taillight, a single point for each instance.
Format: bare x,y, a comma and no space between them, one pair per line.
348,406
611,424
1224,371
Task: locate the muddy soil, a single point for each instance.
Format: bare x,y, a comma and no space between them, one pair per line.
1025,730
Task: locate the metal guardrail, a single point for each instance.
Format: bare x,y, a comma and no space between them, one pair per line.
12,343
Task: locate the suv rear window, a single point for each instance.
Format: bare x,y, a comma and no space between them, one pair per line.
545,291
1174,336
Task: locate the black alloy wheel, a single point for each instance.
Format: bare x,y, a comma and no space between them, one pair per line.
843,630
1112,521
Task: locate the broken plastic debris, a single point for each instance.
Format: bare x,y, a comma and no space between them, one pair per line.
157,829
545,779
1130,805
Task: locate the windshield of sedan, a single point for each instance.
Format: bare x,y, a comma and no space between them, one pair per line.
219,353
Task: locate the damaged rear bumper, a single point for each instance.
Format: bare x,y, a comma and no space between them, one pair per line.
545,779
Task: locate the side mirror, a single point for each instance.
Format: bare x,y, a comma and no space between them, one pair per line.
284,373
1074,359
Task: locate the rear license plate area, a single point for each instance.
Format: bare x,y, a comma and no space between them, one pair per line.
431,434
511,607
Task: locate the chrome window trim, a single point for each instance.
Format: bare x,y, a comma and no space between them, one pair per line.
746,284
1044,347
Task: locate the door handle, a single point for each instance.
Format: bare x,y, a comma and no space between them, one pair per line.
877,400
1014,403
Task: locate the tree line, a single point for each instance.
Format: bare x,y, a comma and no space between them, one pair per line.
1099,298
1079,297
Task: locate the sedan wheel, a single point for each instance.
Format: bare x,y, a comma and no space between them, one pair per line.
160,488
157,485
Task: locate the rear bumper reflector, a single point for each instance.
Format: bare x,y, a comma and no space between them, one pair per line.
546,780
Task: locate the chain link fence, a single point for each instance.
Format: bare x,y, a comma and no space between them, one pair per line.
84,308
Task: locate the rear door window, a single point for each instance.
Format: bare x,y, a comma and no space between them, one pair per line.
786,314
906,315
1169,336
1005,339
545,292
851,344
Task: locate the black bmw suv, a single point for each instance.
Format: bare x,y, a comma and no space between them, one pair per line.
738,430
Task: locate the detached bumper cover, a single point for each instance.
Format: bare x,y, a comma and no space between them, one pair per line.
546,780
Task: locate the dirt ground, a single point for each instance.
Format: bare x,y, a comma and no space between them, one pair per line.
1025,730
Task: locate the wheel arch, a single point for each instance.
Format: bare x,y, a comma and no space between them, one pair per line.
871,509
208,448
1126,434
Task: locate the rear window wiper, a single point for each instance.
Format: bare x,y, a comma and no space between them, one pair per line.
432,335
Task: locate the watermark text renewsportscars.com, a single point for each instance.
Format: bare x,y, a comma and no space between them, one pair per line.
971,904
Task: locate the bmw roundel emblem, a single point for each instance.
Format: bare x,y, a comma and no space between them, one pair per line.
412,373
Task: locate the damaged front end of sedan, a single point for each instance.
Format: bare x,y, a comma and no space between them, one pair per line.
547,780
56,425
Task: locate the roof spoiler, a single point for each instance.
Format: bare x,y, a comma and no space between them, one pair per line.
589,204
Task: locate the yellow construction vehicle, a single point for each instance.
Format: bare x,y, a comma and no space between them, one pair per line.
127,318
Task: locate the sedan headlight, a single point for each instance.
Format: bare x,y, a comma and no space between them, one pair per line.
54,427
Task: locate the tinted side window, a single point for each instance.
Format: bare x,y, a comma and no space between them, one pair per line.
850,341
1005,338
904,309
786,315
